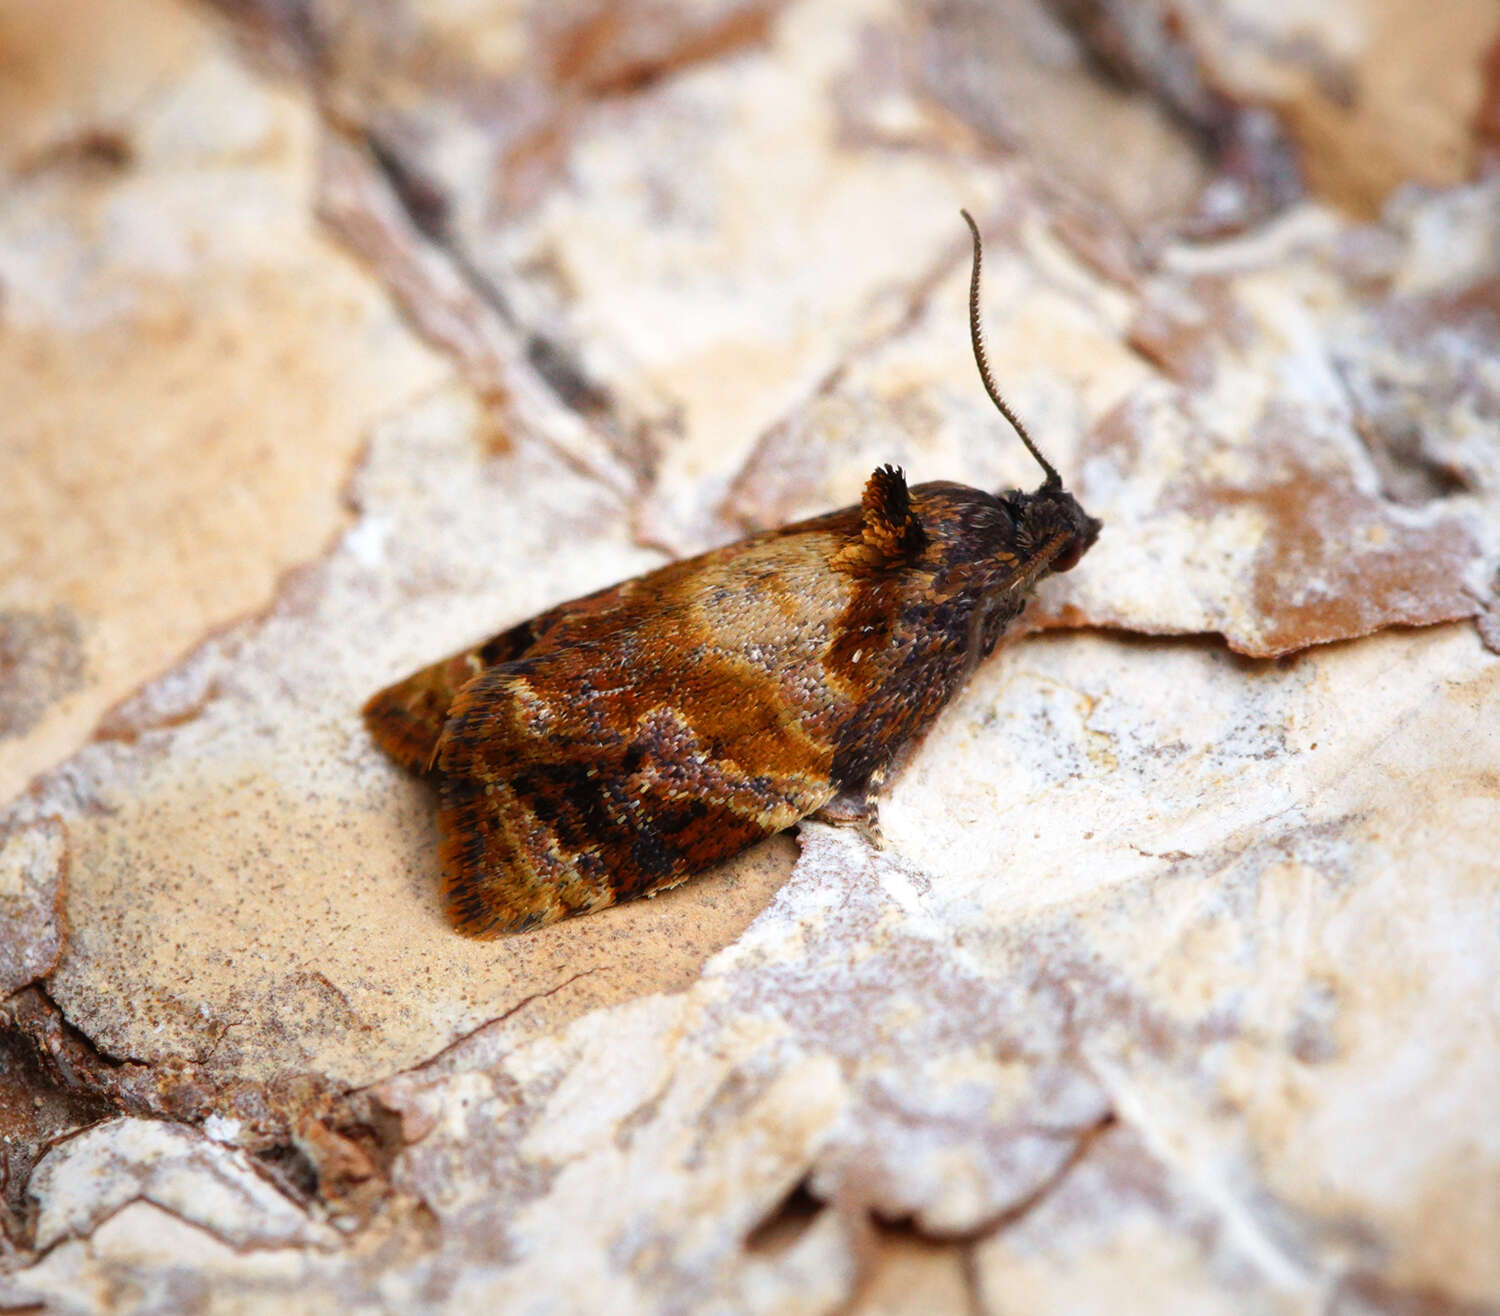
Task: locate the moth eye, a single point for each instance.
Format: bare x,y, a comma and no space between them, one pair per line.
1068,558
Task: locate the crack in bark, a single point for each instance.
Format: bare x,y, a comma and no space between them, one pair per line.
973,1283
458,310
1019,1210
65,1047
863,1223
38,1255
438,1056
171,1088
426,210
1138,48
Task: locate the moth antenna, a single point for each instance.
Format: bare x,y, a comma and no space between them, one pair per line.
976,334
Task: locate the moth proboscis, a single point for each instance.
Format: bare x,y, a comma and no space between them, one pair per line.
615,745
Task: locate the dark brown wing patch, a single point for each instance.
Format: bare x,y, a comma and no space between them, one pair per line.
562,793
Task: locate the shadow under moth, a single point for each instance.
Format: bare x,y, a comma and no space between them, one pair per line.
615,745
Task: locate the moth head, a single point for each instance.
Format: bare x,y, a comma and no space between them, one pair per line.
991,544
1051,530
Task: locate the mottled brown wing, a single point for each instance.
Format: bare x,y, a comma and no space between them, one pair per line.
574,781
601,771
406,719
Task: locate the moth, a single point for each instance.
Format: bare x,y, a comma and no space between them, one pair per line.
617,744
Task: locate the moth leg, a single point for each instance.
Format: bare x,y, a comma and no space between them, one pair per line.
858,808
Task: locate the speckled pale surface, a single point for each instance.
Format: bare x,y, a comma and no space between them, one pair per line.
1173,986
188,364
33,888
